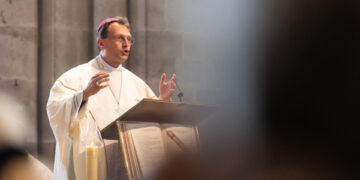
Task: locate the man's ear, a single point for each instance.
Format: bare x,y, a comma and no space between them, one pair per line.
100,43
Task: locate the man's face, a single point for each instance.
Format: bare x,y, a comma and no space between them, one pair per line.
117,43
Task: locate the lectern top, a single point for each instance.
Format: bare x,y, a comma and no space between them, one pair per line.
151,110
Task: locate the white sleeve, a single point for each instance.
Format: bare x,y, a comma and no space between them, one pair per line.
63,111
62,108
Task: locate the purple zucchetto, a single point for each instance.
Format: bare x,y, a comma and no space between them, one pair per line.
105,21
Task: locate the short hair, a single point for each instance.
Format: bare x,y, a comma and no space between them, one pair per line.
103,28
9,154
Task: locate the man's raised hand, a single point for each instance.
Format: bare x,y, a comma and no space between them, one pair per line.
96,83
167,89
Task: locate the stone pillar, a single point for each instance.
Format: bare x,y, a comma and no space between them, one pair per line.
163,46
137,17
46,78
65,41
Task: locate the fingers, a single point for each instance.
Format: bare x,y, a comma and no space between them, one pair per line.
169,84
173,77
101,78
173,81
99,74
100,83
163,78
104,86
96,83
173,85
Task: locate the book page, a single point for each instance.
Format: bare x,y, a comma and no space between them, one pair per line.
149,147
179,138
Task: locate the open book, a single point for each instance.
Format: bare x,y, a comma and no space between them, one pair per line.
152,131
147,145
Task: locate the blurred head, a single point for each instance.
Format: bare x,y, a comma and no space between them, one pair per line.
14,131
14,164
14,126
114,40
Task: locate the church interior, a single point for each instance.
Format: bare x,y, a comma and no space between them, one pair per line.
282,76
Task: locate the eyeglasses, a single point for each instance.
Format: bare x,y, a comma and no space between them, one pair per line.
122,39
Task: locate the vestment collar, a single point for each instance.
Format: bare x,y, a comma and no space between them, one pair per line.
105,66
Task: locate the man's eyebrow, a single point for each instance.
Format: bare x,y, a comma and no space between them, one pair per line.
122,34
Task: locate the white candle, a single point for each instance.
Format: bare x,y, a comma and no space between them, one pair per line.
91,162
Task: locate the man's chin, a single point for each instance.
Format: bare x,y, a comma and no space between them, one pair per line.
123,58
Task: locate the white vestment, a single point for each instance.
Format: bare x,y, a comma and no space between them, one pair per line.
69,122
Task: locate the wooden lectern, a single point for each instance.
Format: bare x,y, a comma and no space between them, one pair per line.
151,130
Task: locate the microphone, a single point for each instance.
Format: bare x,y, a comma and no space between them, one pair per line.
181,94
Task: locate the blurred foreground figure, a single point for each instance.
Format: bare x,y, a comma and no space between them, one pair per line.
310,100
15,162
311,90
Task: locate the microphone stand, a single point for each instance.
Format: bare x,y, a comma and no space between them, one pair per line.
181,94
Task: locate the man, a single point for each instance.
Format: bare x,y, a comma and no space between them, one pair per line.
98,91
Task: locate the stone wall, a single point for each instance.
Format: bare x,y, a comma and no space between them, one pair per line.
19,59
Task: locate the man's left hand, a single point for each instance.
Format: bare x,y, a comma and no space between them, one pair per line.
167,89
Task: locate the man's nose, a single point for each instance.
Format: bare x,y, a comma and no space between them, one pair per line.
125,44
